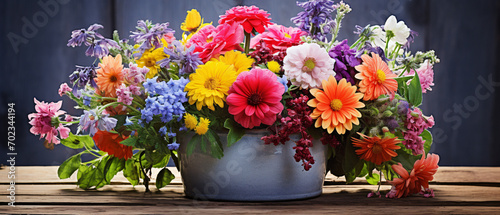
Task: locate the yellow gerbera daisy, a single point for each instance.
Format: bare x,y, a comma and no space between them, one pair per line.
150,58
190,121
192,22
240,61
202,127
210,84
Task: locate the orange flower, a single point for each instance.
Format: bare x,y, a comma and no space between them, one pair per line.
109,76
376,77
335,107
375,149
423,171
110,143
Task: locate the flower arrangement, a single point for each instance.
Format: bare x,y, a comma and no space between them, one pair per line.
245,73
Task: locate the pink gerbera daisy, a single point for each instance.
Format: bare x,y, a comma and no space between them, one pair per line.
249,17
278,37
43,123
255,98
210,42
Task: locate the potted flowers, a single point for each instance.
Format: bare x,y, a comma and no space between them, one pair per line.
249,109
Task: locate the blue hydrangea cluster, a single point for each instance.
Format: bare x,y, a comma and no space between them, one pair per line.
165,99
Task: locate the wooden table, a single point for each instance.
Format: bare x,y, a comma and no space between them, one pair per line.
458,190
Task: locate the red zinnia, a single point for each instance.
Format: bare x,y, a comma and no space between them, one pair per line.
278,38
249,17
210,42
255,98
110,143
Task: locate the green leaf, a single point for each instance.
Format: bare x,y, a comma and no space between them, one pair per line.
78,141
351,159
236,132
195,140
407,160
427,136
403,79
215,144
69,166
373,179
93,176
131,141
113,166
130,172
415,91
164,178
160,160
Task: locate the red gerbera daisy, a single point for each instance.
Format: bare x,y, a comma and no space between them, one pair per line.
375,149
249,17
110,143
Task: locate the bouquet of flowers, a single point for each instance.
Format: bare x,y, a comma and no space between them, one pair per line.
244,73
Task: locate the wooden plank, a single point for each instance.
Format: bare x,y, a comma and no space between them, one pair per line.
452,175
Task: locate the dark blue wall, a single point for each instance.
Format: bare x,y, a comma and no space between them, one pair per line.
464,34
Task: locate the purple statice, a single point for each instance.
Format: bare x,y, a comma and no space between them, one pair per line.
149,35
184,57
345,61
98,46
81,77
368,48
403,107
410,39
173,146
165,100
315,14
391,123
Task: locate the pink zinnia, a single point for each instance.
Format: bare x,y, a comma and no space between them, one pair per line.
423,171
255,98
63,89
426,76
278,38
249,17
42,121
210,42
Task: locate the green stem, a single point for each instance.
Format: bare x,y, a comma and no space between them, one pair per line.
379,182
247,43
69,123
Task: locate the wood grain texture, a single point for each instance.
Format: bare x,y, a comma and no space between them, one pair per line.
459,190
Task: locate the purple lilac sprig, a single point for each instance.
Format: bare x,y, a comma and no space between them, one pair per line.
149,35
416,123
184,57
345,61
81,77
98,45
165,99
316,13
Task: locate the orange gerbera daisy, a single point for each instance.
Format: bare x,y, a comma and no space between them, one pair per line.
109,75
376,77
423,171
375,149
335,107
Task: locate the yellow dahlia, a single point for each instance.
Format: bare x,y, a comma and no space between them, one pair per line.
274,66
190,121
202,126
150,58
209,84
240,61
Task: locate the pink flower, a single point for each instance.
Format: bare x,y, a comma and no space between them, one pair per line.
416,123
135,75
210,42
249,17
255,98
307,65
278,37
68,118
426,76
63,89
43,124
169,37
124,95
